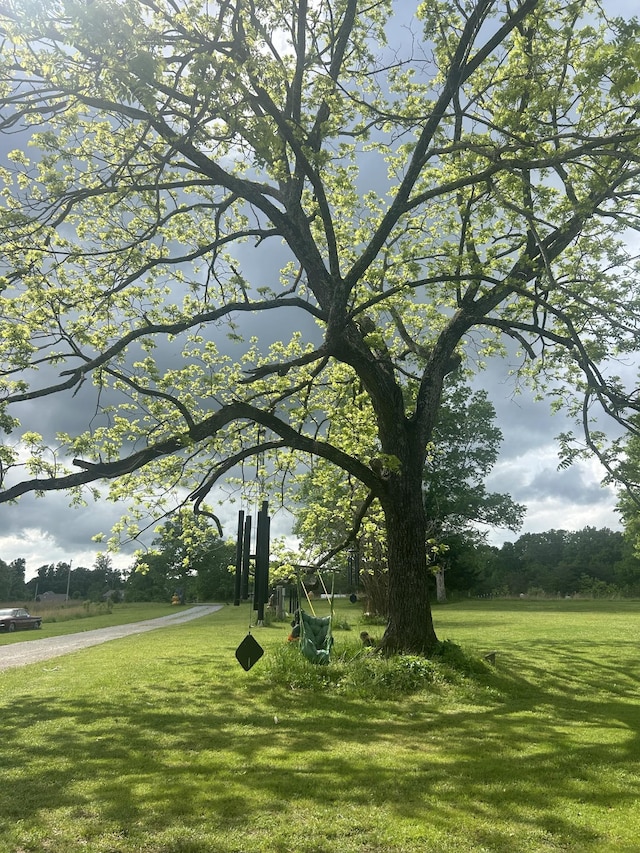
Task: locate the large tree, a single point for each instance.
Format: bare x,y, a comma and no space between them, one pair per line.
463,454
456,498
628,476
213,175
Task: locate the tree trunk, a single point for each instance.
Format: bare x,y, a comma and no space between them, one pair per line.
410,626
441,591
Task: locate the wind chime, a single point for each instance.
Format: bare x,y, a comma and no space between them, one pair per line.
250,651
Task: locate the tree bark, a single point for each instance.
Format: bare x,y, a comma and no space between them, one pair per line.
441,590
410,625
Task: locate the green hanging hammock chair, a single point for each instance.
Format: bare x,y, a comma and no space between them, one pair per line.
316,638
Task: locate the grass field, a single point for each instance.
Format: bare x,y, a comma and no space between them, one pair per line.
78,616
161,743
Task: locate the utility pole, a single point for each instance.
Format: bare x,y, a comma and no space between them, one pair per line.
69,580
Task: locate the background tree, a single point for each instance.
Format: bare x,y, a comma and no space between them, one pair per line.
465,448
149,579
105,581
168,137
464,451
12,580
469,563
628,472
187,555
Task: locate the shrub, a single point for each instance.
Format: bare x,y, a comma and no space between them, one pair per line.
373,676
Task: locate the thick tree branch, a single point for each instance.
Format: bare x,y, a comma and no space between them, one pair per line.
208,428
283,367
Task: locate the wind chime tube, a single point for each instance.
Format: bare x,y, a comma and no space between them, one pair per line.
239,547
246,558
261,594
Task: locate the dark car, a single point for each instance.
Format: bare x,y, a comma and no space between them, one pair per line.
18,617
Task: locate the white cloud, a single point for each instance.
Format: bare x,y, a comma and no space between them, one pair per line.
39,548
568,499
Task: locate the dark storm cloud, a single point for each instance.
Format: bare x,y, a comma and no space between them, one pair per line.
570,485
73,526
47,530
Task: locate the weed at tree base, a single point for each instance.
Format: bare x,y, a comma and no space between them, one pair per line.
363,673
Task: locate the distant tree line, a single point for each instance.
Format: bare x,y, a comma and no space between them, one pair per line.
588,562
81,583
155,576
84,584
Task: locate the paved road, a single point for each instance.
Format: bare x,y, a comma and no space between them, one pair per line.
34,651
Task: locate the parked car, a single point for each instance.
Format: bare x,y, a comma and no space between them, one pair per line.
17,617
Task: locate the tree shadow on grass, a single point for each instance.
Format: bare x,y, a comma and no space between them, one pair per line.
561,735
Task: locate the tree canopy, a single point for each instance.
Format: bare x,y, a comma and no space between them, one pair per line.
221,222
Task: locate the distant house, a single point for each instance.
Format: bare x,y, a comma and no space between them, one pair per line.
52,597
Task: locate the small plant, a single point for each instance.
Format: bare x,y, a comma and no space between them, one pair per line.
373,619
287,667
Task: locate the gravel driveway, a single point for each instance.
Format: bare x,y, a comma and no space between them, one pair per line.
34,651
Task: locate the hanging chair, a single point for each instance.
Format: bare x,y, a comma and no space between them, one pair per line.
316,638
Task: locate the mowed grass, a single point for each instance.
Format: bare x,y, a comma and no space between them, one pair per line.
161,743
74,617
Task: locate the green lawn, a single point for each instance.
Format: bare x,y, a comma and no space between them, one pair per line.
77,616
161,743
